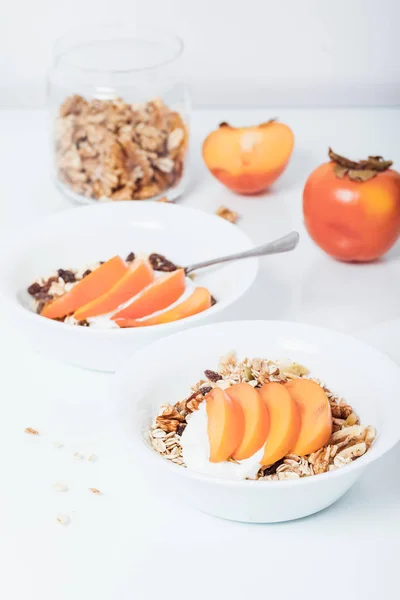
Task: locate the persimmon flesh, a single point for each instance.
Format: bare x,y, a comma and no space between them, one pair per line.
316,416
225,424
256,419
248,160
285,422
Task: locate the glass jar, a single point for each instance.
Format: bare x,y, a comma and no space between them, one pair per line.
119,115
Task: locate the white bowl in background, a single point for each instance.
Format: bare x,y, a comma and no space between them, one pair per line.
164,371
80,236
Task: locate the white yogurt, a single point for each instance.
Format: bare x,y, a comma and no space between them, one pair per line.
105,321
196,452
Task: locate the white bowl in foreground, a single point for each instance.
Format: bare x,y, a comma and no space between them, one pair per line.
164,371
81,236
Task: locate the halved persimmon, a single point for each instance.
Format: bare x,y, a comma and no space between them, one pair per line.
248,159
138,276
157,296
225,425
87,289
200,300
316,416
256,419
285,422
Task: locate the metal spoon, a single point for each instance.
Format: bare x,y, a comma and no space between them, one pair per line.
284,244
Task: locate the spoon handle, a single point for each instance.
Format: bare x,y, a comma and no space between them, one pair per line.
284,244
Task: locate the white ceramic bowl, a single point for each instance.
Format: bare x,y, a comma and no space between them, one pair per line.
164,371
85,235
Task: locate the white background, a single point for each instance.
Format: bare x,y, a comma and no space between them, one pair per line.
130,543
248,53
134,543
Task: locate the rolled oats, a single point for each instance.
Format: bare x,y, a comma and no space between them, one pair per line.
109,149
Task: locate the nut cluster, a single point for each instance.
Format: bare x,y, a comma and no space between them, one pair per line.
109,149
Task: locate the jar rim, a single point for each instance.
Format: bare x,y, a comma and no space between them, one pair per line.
65,44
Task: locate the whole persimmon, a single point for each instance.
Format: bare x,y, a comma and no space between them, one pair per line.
248,160
352,209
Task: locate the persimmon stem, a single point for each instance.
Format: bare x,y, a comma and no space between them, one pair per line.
362,170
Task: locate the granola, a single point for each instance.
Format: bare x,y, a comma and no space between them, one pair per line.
349,439
110,149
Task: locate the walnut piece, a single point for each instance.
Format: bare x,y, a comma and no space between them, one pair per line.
227,214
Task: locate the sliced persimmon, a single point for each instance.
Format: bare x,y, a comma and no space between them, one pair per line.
200,300
157,296
316,416
256,419
138,276
285,422
225,424
87,289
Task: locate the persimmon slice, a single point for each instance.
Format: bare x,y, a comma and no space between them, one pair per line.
138,276
316,416
157,296
200,300
225,424
256,419
93,285
285,422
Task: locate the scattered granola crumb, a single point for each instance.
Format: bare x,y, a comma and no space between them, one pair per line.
63,519
95,491
58,445
163,199
227,214
78,455
130,257
60,487
92,458
31,431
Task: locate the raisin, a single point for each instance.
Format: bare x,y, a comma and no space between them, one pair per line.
48,284
206,389
86,273
212,375
130,257
272,469
160,263
44,296
83,323
67,276
34,289
213,301
181,428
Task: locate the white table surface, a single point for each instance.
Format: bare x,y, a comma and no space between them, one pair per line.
138,543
